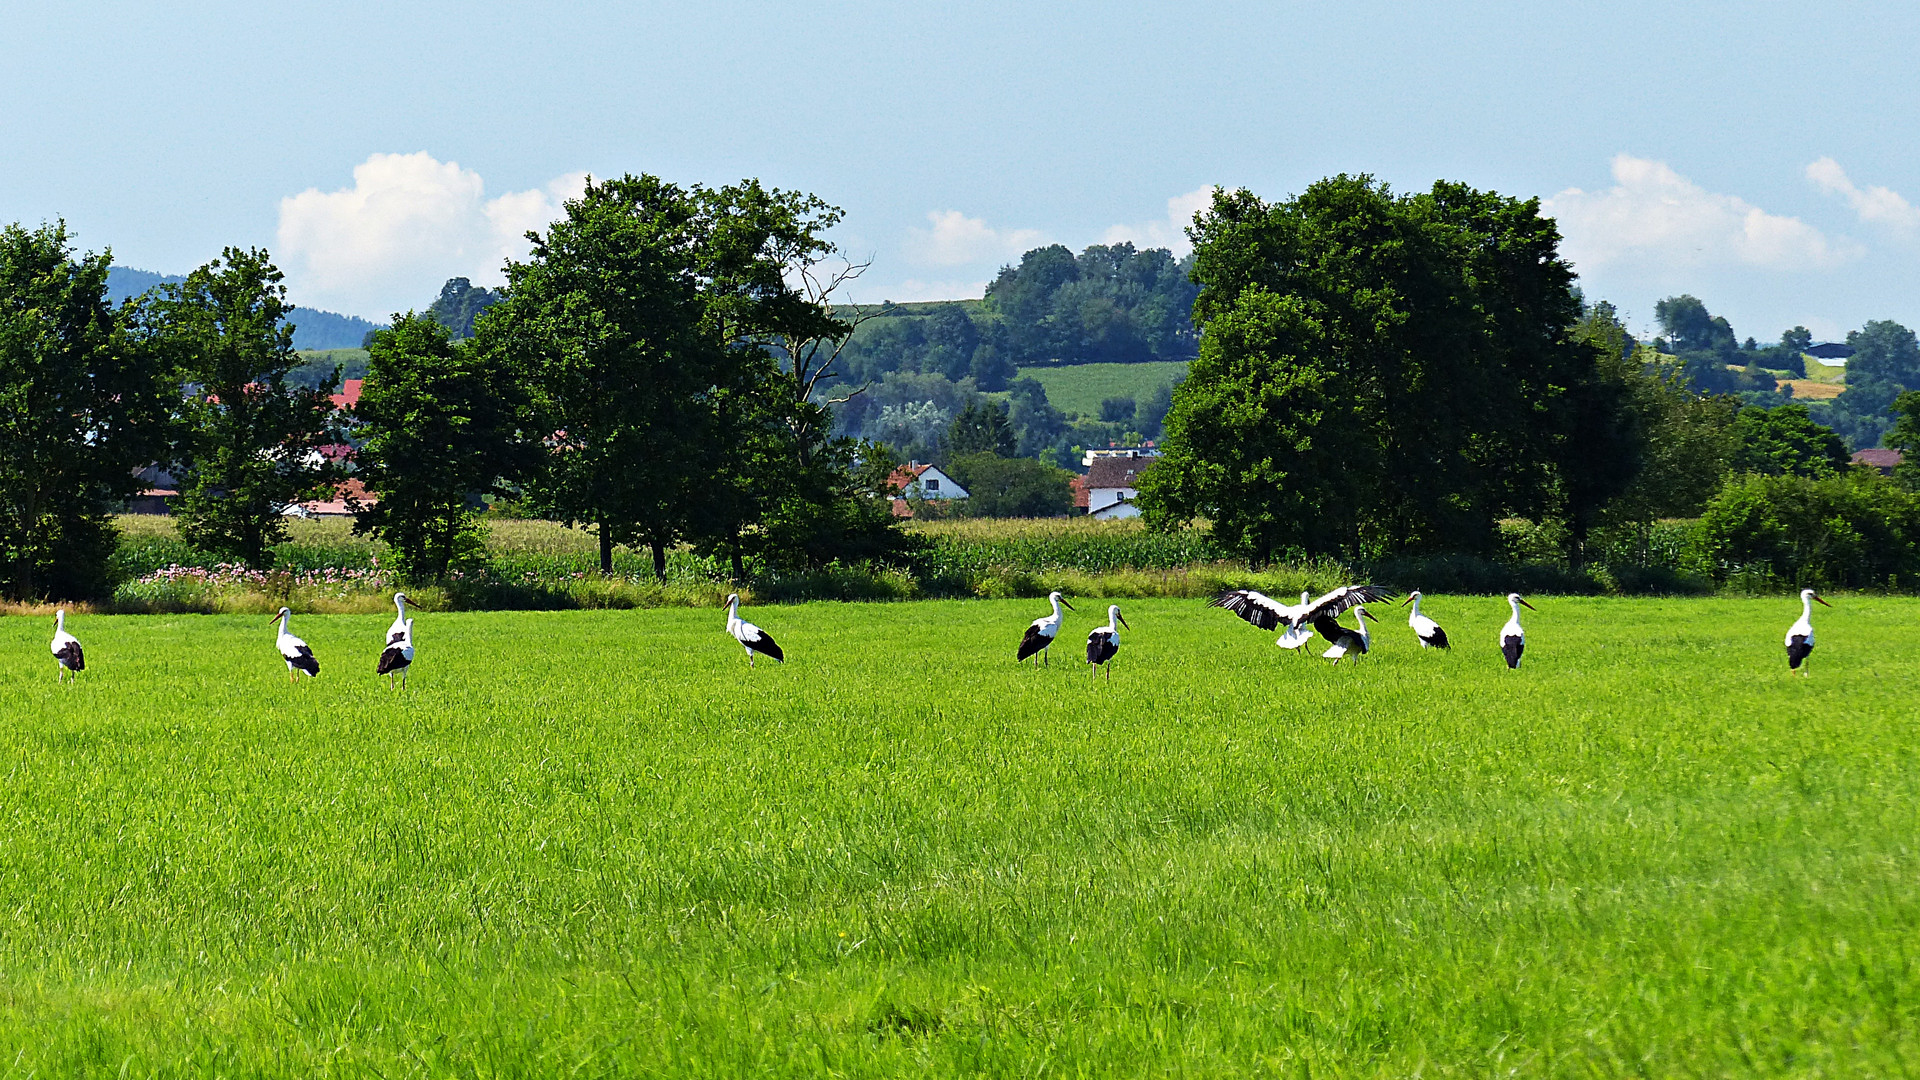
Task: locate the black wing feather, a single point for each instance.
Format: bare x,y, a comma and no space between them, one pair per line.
764,645
1249,605
1101,647
1342,598
1439,638
71,656
392,660
1512,647
1032,643
306,662
1798,650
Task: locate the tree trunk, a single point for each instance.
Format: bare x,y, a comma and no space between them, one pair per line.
606,549
23,562
659,559
1576,543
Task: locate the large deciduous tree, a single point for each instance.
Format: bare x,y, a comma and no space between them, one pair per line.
252,443
1387,373
82,406
437,424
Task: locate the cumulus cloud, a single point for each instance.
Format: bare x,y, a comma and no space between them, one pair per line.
954,239
1654,215
1875,205
1170,233
407,224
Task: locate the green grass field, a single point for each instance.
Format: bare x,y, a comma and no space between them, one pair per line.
1080,388
597,844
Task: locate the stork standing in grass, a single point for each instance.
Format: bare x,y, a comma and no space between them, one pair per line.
66,650
1346,642
1800,634
750,637
1428,631
1513,640
397,657
1103,643
1043,631
294,651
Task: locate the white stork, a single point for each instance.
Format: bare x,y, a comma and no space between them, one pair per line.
1320,614
1513,640
1105,641
294,651
1355,641
1296,636
1800,634
1040,635
66,650
750,637
1428,631
397,657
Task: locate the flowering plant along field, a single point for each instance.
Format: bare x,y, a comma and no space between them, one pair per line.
596,843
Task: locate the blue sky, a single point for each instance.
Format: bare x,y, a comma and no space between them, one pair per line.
1759,156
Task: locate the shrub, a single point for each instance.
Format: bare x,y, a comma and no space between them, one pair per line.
1854,530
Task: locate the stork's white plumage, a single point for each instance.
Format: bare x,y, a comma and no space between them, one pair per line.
1513,640
1800,634
294,651
750,637
1428,631
67,655
1354,642
1321,614
1042,631
1104,642
397,657
1296,636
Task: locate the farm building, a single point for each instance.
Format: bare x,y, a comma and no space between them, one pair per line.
1112,485
917,481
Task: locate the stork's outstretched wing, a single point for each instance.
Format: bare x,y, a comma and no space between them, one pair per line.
1257,608
1339,600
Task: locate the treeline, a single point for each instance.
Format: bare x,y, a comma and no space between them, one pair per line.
1389,375
629,381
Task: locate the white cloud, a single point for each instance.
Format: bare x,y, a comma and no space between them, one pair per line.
1170,233
1654,215
956,239
1875,205
407,224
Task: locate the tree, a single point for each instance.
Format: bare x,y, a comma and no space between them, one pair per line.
1885,361
1785,441
459,304
1689,327
605,325
1034,418
981,428
1905,437
252,444
1857,529
82,405
1600,440
1390,372
1687,446
1007,487
437,427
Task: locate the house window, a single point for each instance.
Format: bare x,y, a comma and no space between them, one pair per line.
933,485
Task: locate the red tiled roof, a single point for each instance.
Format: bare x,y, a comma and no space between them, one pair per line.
349,394
1079,486
338,504
904,476
901,509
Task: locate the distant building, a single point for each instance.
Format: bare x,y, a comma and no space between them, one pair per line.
349,394
1088,457
1878,458
1112,484
335,506
1830,351
917,481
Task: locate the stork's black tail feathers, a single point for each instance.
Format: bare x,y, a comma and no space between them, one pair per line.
306,662
71,657
765,646
1032,643
391,660
1797,651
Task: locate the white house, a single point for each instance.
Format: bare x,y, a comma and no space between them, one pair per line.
1112,484
917,481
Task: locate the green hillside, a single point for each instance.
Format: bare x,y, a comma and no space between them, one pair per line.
1079,388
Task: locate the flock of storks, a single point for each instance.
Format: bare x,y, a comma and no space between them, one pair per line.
1301,621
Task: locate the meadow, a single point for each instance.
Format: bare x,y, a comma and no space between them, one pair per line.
1080,388
596,843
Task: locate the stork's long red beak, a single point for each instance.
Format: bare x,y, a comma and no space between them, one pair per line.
1820,601
1365,614
1529,607
1064,604
1125,623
